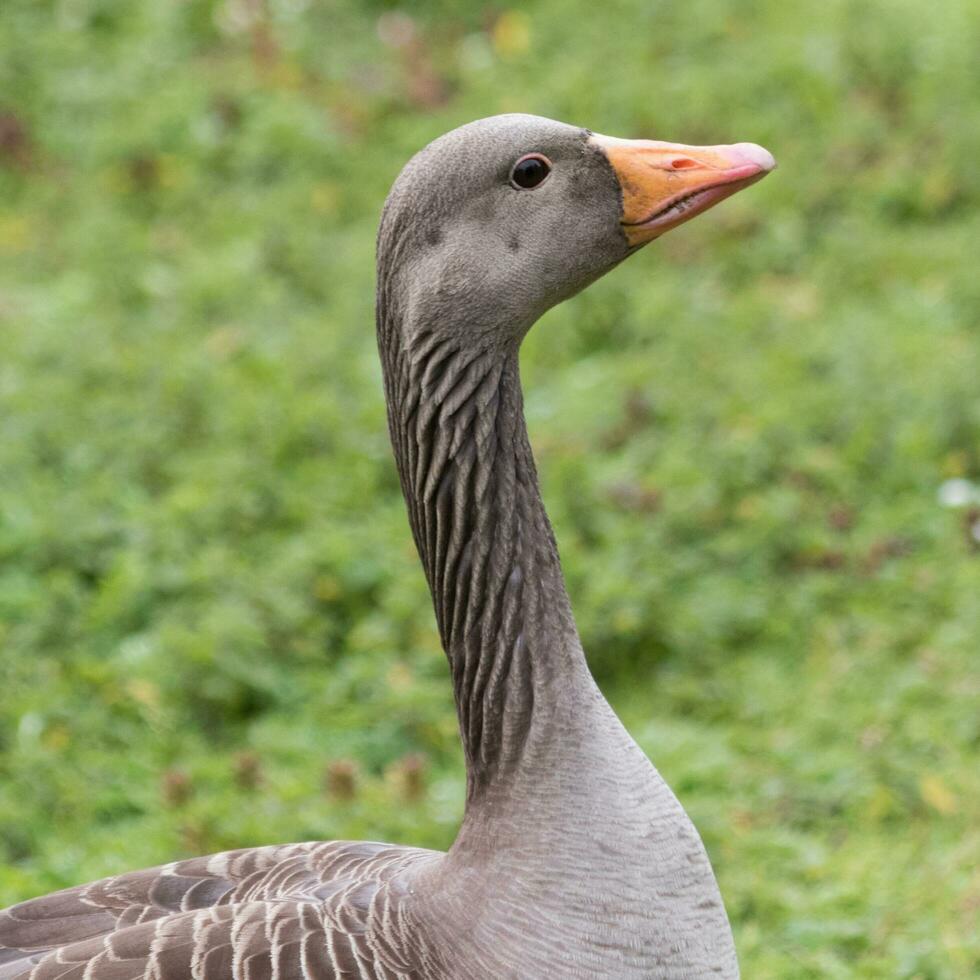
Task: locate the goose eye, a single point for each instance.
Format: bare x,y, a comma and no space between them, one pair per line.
529,171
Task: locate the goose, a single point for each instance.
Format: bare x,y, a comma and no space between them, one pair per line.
574,859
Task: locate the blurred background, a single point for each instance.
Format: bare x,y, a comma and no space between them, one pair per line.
759,442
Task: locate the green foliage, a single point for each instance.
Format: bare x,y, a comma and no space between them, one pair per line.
213,628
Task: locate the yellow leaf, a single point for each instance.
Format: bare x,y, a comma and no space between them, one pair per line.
325,197
57,737
512,33
400,677
955,463
15,233
144,692
937,794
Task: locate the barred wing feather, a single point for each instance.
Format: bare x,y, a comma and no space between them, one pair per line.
315,911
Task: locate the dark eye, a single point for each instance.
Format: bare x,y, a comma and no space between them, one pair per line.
529,171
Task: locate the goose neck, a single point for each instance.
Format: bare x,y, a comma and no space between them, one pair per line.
489,554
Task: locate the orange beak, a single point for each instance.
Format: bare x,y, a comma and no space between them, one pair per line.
666,184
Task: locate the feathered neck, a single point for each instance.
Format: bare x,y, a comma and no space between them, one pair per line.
457,426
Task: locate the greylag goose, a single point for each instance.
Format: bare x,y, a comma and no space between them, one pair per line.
574,859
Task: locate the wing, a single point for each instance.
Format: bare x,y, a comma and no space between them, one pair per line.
296,912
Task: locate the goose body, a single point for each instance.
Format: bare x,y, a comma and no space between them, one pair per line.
574,859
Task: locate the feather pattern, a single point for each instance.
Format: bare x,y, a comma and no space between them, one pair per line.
312,911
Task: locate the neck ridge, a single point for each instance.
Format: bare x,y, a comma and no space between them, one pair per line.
457,427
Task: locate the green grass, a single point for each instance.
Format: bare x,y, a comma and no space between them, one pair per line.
208,593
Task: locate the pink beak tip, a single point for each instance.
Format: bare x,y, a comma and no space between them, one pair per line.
757,155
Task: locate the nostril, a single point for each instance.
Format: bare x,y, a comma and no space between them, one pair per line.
682,163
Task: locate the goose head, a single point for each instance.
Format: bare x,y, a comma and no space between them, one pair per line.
499,220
